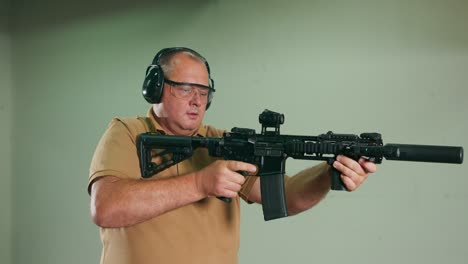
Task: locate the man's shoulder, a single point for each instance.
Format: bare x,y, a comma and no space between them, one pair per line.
134,125
212,131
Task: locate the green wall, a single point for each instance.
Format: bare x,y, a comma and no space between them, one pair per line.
6,106
395,67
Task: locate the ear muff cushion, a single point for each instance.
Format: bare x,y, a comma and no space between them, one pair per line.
152,85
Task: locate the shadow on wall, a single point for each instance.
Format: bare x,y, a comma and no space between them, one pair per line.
32,15
5,8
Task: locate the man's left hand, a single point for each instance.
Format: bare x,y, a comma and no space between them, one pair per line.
353,173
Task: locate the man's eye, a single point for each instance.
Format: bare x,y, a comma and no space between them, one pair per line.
204,94
186,89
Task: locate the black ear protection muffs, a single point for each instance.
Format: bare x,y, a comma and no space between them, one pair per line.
154,79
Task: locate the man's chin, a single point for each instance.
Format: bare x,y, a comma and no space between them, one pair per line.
191,129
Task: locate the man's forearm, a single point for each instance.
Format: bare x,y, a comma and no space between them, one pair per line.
307,188
119,202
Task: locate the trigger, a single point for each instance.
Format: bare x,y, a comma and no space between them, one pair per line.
243,173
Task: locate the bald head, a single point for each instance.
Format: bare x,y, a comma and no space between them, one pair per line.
173,59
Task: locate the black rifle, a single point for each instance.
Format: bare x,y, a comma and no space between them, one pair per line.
269,151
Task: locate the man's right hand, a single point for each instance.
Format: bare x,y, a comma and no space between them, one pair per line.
222,178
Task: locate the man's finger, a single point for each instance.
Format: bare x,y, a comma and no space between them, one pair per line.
242,166
351,164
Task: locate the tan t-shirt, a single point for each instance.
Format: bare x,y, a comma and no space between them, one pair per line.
203,232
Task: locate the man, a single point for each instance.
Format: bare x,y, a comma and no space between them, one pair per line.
174,217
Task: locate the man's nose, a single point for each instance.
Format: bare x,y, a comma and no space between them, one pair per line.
196,97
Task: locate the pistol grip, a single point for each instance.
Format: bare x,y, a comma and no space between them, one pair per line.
225,199
228,200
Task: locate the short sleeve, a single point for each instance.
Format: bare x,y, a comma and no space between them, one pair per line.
116,153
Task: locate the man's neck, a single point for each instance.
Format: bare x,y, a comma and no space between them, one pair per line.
162,121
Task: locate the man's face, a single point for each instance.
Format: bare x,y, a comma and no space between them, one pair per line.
180,116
